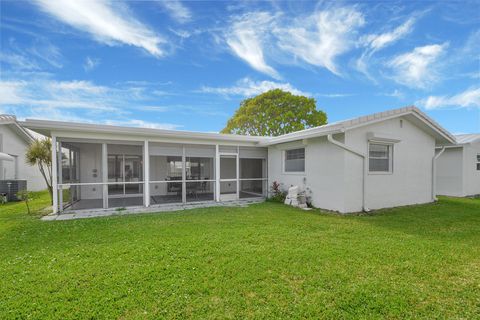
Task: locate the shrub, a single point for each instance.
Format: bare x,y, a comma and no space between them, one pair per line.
277,195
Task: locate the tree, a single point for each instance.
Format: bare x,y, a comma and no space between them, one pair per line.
40,153
274,113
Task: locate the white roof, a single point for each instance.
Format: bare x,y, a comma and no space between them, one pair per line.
336,127
442,136
467,138
46,127
11,120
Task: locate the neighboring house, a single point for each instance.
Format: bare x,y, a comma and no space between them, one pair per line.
14,141
377,161
458,167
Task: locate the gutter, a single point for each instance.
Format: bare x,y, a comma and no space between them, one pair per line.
364,159
434,173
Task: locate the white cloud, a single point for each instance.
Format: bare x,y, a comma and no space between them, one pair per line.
107,22
142,124
18,61
33,57
57,94
418,68
47,52
247,87
333,95
78,86
378,41
78,101
247,37
90,64
10,92
317,39
469,98
177,10
394,94
320,38
154,108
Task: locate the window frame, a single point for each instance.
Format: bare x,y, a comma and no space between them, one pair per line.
478,162
284,159
390,158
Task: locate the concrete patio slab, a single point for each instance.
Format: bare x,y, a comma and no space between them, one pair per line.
93,213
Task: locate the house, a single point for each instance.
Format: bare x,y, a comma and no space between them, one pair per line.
458,167
382,160
377,161
14,141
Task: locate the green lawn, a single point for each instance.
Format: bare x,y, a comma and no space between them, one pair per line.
264,261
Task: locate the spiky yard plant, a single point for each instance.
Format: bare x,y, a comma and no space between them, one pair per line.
40,153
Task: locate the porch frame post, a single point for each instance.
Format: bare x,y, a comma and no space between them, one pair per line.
105,175
184,176
217,173
60,175
146,174
54,175
238,172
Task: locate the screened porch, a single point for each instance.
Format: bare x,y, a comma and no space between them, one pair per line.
118,174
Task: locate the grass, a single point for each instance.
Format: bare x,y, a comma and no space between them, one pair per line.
264,261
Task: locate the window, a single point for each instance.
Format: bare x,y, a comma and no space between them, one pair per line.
478,162
380,157
294,160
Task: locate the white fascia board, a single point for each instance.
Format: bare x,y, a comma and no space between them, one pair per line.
299,136
129,133
92,137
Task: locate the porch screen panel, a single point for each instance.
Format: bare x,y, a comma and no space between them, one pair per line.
82,186
200,173
166,184
252,177
125,175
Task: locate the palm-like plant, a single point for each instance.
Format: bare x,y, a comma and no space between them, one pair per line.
40,153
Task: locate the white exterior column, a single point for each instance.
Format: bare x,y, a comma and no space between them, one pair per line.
238,172
54,174
105,175
60,175
146,174
217,173
184,177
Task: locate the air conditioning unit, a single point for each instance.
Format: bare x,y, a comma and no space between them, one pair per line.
11,187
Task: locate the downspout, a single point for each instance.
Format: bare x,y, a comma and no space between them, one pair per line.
434,174
361,155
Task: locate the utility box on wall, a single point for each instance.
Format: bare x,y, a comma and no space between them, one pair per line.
11,187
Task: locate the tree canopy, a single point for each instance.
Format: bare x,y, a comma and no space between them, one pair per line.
39,153
274,113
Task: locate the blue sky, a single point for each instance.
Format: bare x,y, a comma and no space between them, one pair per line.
187,65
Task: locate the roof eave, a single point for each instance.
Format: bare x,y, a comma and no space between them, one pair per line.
52,126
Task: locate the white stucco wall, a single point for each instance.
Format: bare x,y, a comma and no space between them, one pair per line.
335,176
13,144
449,172
471,174
410,182
457,173
90,155
324,171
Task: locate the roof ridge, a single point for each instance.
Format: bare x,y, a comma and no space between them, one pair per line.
7,117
